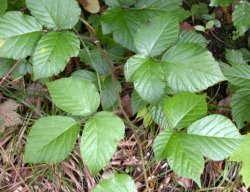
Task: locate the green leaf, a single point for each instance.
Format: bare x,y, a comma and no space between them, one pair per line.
53,52
238,75
191,37
99,139
22,69
75,96
240,107
200,28
3,6
169,5
185,108
51,139
158,116
242,154
86,75
183,155
234,57
157,35
17,30
198,10
108,95
241,15
115,3
123,24
191,67
147,76
5,65
137,102
94,59
56,14
220,2
216,136
120,182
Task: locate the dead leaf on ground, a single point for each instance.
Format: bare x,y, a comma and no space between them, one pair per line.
92,6
8,115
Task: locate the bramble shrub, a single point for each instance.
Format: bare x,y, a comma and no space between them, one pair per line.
170,71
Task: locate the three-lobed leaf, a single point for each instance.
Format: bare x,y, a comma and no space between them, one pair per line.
53,52
51,139
120,182
99,139
17,30
214,136
56,14
75,96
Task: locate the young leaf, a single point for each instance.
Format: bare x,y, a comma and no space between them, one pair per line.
17,30
51,139
56,14
191,37
120,182
242,154
53,52
216,136
75,96
191,67
238,75
241,15
182,153
157,35
184,108
99,139
240,107
147,76
234,57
